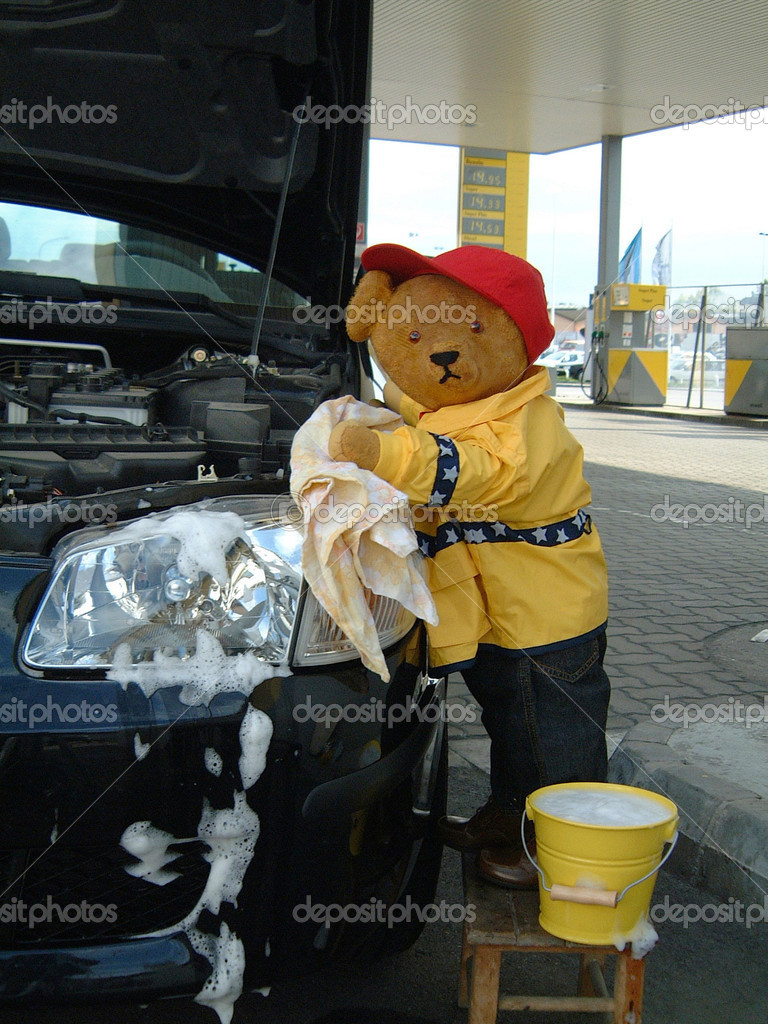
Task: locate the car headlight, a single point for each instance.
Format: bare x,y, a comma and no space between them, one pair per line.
321,641
227,566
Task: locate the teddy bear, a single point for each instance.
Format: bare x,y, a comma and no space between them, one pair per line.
497,493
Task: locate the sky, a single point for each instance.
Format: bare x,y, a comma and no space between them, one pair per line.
707,182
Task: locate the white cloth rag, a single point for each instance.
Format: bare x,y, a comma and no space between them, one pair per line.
358,533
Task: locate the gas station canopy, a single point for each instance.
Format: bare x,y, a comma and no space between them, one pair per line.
537,76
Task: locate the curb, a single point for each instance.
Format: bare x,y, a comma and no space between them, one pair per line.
723,831
695,415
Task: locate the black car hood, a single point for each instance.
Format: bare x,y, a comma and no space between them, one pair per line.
178,115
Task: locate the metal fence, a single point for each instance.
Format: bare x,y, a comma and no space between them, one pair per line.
692,328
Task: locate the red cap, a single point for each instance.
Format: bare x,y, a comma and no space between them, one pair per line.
505,280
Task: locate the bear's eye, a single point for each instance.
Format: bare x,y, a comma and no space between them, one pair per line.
414,335
476,327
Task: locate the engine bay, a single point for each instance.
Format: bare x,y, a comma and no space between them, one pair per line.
73,425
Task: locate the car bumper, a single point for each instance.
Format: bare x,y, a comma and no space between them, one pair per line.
145,969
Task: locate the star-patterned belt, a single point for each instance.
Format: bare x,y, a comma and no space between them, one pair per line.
548,536
456,530
447,472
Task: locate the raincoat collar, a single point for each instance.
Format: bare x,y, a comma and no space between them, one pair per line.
535,382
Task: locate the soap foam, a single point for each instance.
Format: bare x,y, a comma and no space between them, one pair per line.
203,675
149,845
230,833
255,734
140,749
643,937
224,986
213,761
602,807
204,537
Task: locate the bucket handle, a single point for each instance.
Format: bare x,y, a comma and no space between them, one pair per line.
582,893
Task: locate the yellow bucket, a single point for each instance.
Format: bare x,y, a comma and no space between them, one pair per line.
596,881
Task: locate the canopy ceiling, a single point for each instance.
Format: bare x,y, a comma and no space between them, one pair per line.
541,75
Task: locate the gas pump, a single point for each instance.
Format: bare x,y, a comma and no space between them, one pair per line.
626,369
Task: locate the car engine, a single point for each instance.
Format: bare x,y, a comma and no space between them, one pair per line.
74,425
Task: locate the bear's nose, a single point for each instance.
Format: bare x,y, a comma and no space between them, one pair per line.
444,358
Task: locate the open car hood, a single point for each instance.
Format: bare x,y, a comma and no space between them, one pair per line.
179,116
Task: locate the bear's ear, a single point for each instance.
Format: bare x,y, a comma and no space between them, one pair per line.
364,310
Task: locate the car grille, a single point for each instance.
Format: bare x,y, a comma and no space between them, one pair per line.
86,895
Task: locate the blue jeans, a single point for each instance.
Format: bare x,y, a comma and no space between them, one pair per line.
545,715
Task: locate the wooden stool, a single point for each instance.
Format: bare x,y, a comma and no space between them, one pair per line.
507,921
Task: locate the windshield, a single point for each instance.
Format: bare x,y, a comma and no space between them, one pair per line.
55,243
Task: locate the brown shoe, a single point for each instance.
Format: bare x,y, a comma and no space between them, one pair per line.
489,826
509,867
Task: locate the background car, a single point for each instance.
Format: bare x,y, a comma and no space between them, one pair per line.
681,364
569,364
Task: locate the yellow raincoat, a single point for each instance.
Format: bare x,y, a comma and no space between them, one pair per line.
497,492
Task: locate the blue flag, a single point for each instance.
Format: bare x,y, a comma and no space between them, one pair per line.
629,264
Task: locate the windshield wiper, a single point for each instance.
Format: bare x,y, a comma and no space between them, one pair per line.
40,288
44,290
21,284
